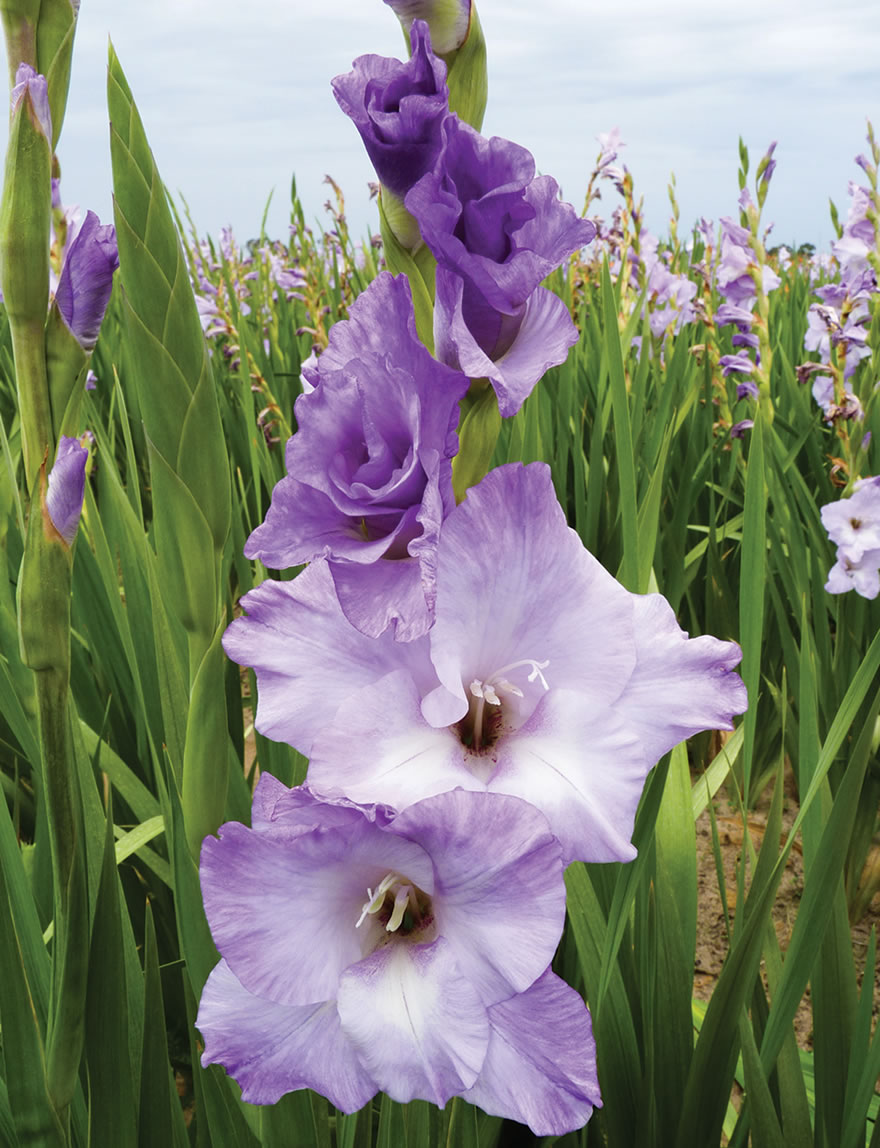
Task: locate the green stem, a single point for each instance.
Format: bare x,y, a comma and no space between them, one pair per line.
38,440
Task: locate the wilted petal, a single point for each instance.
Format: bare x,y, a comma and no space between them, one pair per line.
541,1065
417,1025
67,483
272,1048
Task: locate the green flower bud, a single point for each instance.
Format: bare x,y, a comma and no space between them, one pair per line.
44,590
24,256
40,33
66,366
20,18
449,20
55,33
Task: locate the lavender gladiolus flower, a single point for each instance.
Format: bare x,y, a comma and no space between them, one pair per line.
542,676
739,363
734,275
87,279
398,109
496,231
854,523
366,951
67,481
369,469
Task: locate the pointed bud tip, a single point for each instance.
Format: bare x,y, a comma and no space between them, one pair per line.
29,84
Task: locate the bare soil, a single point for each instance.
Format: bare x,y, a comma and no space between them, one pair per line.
712,940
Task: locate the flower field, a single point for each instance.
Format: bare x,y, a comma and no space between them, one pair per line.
399,631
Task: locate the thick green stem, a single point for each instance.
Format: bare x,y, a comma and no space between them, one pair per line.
44,636
38,440
66,1030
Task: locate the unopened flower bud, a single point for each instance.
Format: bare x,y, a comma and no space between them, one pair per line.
67,480
449,20
87,280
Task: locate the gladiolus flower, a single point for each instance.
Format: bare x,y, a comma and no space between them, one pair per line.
366,951
541,677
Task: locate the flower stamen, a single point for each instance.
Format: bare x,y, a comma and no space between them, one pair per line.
488,689
406,912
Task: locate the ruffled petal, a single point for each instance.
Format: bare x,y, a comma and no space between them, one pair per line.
271,1049
418,1026
541,1065
308,657
544,334
384,596
680,685
502,907
302,524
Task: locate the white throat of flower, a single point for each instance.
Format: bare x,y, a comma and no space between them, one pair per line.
488,689
405,901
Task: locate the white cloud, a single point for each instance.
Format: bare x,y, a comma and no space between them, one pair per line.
235,98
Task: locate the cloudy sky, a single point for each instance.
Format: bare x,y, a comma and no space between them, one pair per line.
236,99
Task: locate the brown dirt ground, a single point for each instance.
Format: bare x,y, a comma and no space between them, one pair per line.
711,928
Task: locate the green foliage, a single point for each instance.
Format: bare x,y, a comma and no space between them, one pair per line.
159,748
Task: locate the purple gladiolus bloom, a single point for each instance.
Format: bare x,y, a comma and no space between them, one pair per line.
87,279
398,109
29,84
739,363
542,676
369,469
747,390
364,950
496,231
67,482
